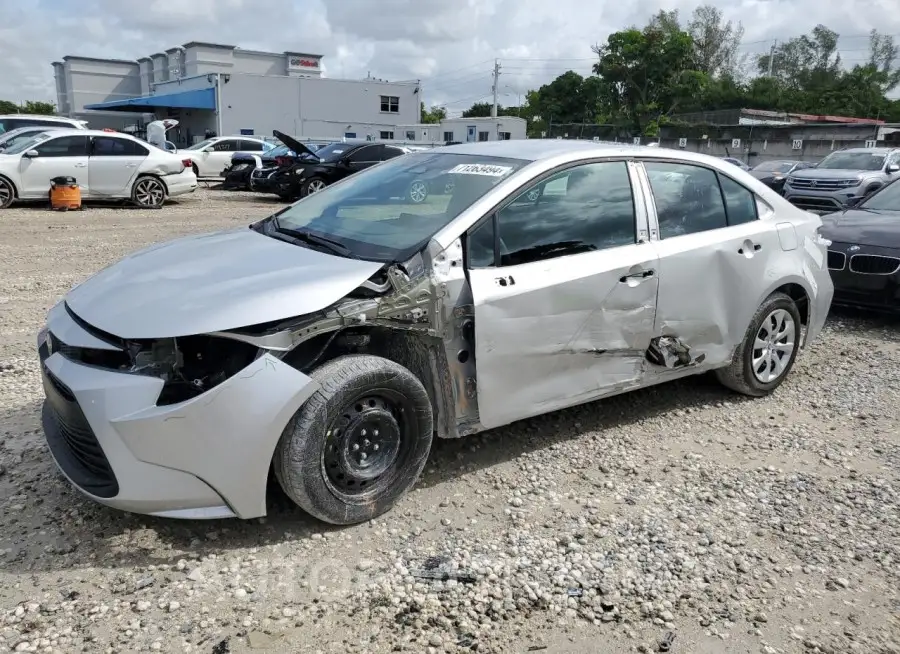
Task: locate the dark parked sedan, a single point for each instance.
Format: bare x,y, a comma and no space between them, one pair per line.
864,255
773,173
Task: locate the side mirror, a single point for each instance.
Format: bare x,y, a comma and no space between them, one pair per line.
31,154
852,202
893,168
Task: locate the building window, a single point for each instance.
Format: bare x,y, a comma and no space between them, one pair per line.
448,136
349,135
390,104
505,136
388,136
410,135
484,136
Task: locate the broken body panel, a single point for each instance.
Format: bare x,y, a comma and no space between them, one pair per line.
491,345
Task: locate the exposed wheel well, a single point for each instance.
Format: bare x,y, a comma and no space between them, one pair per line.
423,355
798,294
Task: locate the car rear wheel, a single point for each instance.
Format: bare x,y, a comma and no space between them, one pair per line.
765,357
359,443
312,185
417,192
7,193
148,192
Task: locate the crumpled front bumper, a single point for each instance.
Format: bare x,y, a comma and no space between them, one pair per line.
207,457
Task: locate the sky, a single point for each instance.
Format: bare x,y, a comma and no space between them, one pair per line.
448,44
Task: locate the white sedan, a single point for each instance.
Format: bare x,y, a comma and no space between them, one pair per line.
106,165
212,156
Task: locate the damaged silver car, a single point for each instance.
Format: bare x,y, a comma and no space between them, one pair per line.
330,343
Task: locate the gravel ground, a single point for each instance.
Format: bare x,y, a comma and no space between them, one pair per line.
735,525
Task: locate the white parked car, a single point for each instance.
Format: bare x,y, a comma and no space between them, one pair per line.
212,156
106,165
9,139
9,122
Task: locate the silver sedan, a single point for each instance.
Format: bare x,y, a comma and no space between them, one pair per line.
331,342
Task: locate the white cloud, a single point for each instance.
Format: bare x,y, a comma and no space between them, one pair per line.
449,44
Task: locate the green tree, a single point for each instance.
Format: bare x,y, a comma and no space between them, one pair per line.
434,115
648,74
7,107
35,107
716,41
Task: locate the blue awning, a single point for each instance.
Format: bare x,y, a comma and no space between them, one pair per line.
196,99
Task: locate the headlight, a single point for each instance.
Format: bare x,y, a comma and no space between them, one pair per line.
789,180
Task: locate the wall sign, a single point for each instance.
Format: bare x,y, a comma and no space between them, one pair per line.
870,144
735,143
636,140
797,144
682,143
300,63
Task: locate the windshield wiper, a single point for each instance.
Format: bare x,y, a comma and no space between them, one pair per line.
314,239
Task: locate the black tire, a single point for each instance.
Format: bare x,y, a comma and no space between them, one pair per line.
196,170
739,376
7,193
307,183
148,192
313,460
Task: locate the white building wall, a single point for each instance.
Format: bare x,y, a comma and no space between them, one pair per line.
493,127
313,108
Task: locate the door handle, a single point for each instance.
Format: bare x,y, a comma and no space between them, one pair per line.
81,165
644,274
131,165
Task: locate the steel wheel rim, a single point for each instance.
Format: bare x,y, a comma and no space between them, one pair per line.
418,192
6,193
366,444
149,192
315,186
773,346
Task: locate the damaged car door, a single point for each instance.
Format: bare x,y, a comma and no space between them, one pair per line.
564,289
714,253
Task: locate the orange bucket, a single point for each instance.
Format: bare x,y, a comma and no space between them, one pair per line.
65,194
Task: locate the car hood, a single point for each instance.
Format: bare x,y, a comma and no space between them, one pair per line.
765,174
293,144
863,227
832,173
213,282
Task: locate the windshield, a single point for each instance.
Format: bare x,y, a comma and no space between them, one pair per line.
853,161
775,166
281,151
27,144
332,152
371,212
887,199
200,145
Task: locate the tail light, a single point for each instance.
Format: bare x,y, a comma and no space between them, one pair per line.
187,163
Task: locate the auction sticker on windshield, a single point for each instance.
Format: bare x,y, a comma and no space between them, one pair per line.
480,169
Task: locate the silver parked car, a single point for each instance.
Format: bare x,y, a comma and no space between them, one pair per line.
332,341
842,178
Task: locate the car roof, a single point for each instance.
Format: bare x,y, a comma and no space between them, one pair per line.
61,119
870,150
537,149
89,132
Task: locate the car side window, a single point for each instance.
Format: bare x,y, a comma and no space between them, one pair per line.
107,146
366,154
688,198
740,203
65,146
228,145
894,159
390,153
251,146
581,209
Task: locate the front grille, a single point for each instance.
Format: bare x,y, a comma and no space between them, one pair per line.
815,204
72,441
836,260
873,264
821,184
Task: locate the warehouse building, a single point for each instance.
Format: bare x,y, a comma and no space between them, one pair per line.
463,130
210,87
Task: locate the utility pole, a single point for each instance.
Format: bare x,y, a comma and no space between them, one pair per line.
772,57
495,87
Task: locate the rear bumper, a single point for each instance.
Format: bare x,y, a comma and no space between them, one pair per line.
207,457
183,182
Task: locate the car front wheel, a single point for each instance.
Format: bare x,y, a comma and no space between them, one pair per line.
312,185
7,193
359,443
766,355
